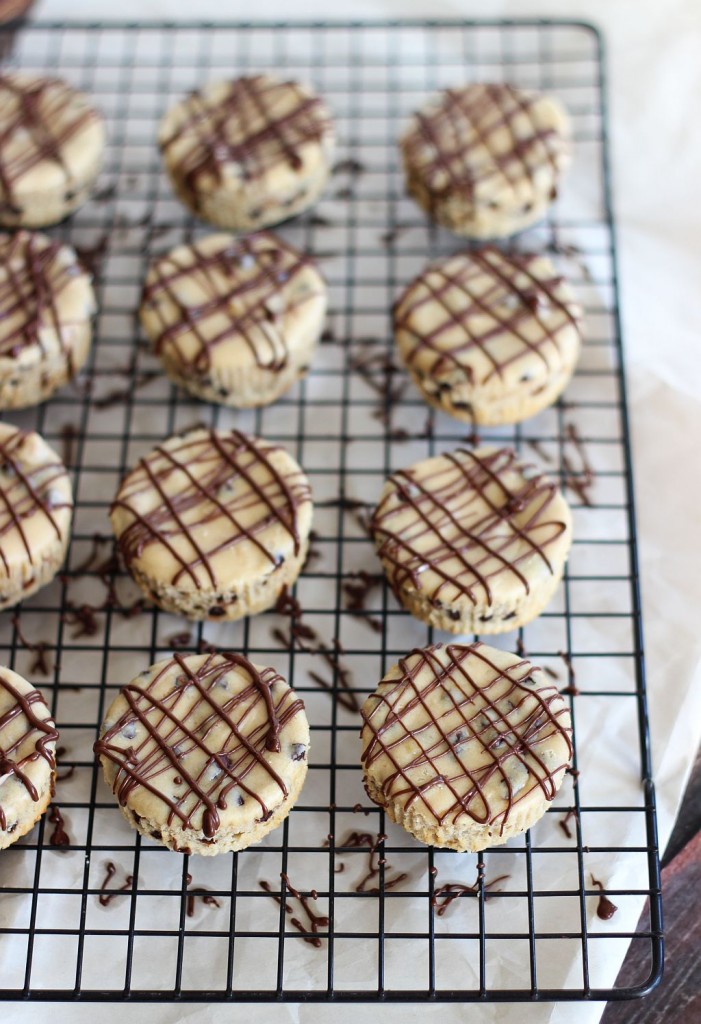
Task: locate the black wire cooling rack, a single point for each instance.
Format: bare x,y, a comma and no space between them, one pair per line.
91,912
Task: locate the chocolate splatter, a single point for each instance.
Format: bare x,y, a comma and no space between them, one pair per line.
445,895
356,840
579,479
305,638
107,895
59,836
41,662
358,593
315,922
572,813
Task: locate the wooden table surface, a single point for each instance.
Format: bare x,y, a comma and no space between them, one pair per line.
677,1000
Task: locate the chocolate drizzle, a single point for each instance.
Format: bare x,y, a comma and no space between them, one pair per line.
26,491
221,479
419,723
35,732
455,146
39,117
226,290
495,310
34,272
186,702
473,517
250,124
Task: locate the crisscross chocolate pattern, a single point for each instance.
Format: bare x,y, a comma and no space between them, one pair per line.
467,525
474,738
218,478
254,126
479,298
38,116
456,145
181,710
25,492
244,284
34,271
38,731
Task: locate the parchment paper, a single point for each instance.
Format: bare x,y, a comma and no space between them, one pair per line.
655,78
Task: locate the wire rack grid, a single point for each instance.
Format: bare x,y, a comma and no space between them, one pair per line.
88,910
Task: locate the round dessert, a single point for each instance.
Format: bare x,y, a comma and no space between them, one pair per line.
46,305
214,525
465,745
205,753
52,142
489,337
485,160
472,541
27,757
234,321
248,153
36,508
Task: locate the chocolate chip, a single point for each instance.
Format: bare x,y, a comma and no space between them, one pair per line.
215,613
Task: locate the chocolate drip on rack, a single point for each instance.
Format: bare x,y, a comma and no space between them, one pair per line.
244,128
508,726
35,271
41,120
173,732
468,526
219,479
40,732
444,141
243,284
472,291
605,909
